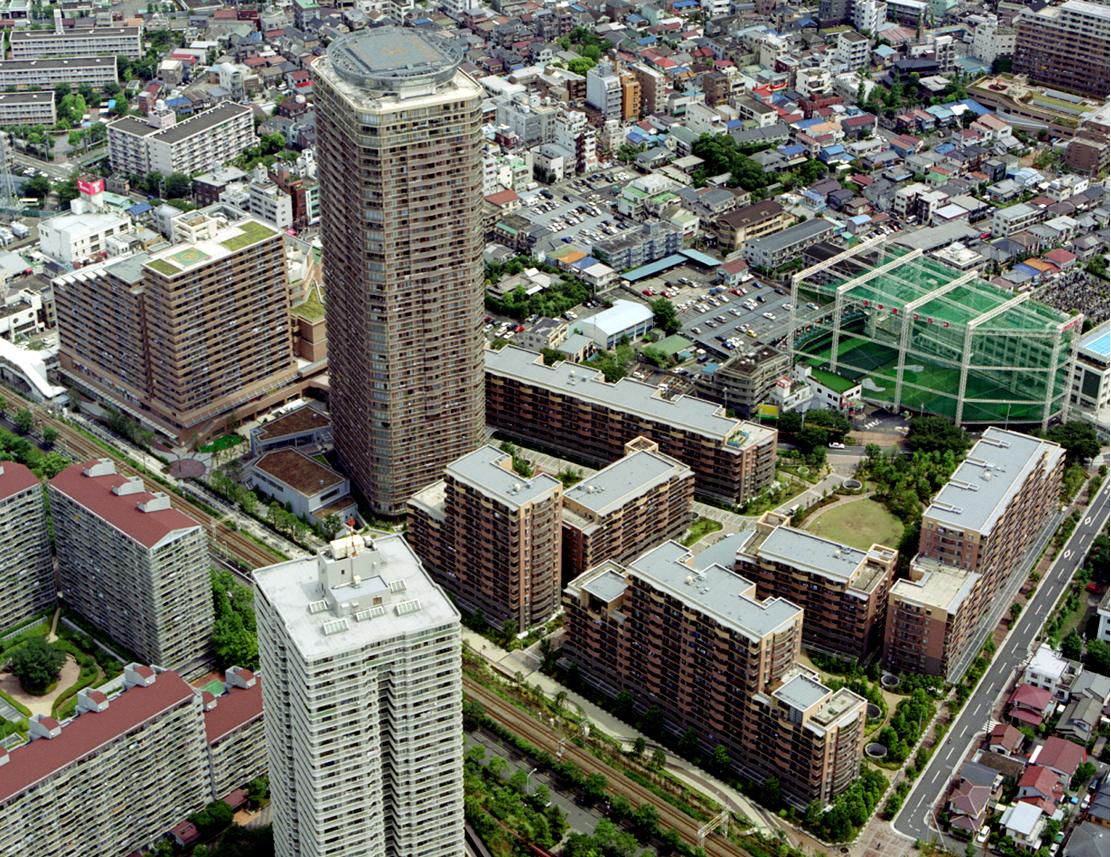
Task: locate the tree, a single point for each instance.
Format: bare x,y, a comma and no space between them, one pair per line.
509,630
23,421
1072,647
720,761
37,665
936,434
1084,772
1097,656
177,185
49,435
581,65
667,319
658,760
834,423
233,628
688,744
1079,440
37,186
639,746
646,820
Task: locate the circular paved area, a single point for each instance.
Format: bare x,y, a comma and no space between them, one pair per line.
187,468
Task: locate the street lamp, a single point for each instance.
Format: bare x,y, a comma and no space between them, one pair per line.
528,779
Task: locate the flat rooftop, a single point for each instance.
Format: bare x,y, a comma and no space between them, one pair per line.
386,57
388,570
61,62
941,586
83,33
814,554
27,97
992,473
204,121
490,471
607,583
1097,342
628,395
298,471
186,256
625,479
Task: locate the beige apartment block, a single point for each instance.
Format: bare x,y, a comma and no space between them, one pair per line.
26,563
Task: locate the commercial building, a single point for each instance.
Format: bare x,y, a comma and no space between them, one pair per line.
736,227
574,410
1065,46
311,490
1090,394
624,320
27,108
491,537
410,277
95,71
73,239
84,42
111,780
624,509
776,249
363,701
132,565
919,335
976,535
688,636
26,564
186,338
159,143
841,589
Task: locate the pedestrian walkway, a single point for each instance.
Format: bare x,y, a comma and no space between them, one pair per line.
814,494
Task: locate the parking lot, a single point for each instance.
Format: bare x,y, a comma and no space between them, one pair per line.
723,323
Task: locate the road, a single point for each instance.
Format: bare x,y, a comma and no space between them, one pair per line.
56,172
916,819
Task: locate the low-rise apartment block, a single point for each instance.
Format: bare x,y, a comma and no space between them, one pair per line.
573,409
621,511
92,41
234,732
842,590
26,564
744,381
774,250
736,227
111,780
95,71
491,537
687,635
27,108
132,565
976,535
161,144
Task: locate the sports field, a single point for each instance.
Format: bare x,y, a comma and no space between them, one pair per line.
861,523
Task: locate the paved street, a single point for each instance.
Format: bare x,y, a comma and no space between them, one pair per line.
915,820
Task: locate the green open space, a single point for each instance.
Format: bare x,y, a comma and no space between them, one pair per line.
311,309
250,232
163,267
860,523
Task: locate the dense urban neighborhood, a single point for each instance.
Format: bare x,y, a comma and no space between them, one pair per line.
555,428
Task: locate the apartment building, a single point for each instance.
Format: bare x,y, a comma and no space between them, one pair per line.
95,71
27,108
269,202
84,42
1065,46
653,88
1014,218
410,275
975,538
639,245
363,702
771,251
491,537
688,636
842,590
852,50
132,565
103,788
189,337
604,91
234,732
624,509
574,410
630,97
743,381
736,227
26,564
159,143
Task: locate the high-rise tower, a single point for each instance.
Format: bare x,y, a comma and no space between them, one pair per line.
400,168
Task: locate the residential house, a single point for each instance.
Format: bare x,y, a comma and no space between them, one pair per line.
1024,823
1038,785
1049,671
977,788
1080,719
1005,739
1060,756
1029,705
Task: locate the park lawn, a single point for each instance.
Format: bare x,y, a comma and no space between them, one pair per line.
701,527
861,524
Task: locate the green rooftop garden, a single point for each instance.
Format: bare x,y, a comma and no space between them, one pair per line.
250,232
311,309
164,267
832,381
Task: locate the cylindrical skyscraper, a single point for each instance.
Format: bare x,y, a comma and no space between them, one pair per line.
400,169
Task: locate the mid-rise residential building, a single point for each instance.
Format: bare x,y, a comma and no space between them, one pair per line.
630,96
26,564
841,589
688,636
363,701
112,779
603,90
853,50
744,380
1065,46
653,88
161,144
234,732
991,40
1090,398
574,410
403,270
491,537
73,239
93,70
639,246
771,251
269,202
188,337
868,15
28,108
972,552
132,565
624,509
733,229
83,42
1014,218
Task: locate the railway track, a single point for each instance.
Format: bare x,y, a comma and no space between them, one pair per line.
520,723
223,538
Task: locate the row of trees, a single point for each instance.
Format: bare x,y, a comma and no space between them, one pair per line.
234,636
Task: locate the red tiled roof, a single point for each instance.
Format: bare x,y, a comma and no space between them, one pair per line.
1039,778
502,197
235,708
1027,716
15,478
121,511
1061,755
1029,696
1006,735
1059,256
83,735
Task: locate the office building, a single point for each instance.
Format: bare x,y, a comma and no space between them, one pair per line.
604,91
132,565
363,704
688,636
972,553
1090,396
574,410
103,790
842,590
73,239
159,143
1065,46
403,270
27,108
491,537
26,564
187,338
95,71
624,509
85,42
